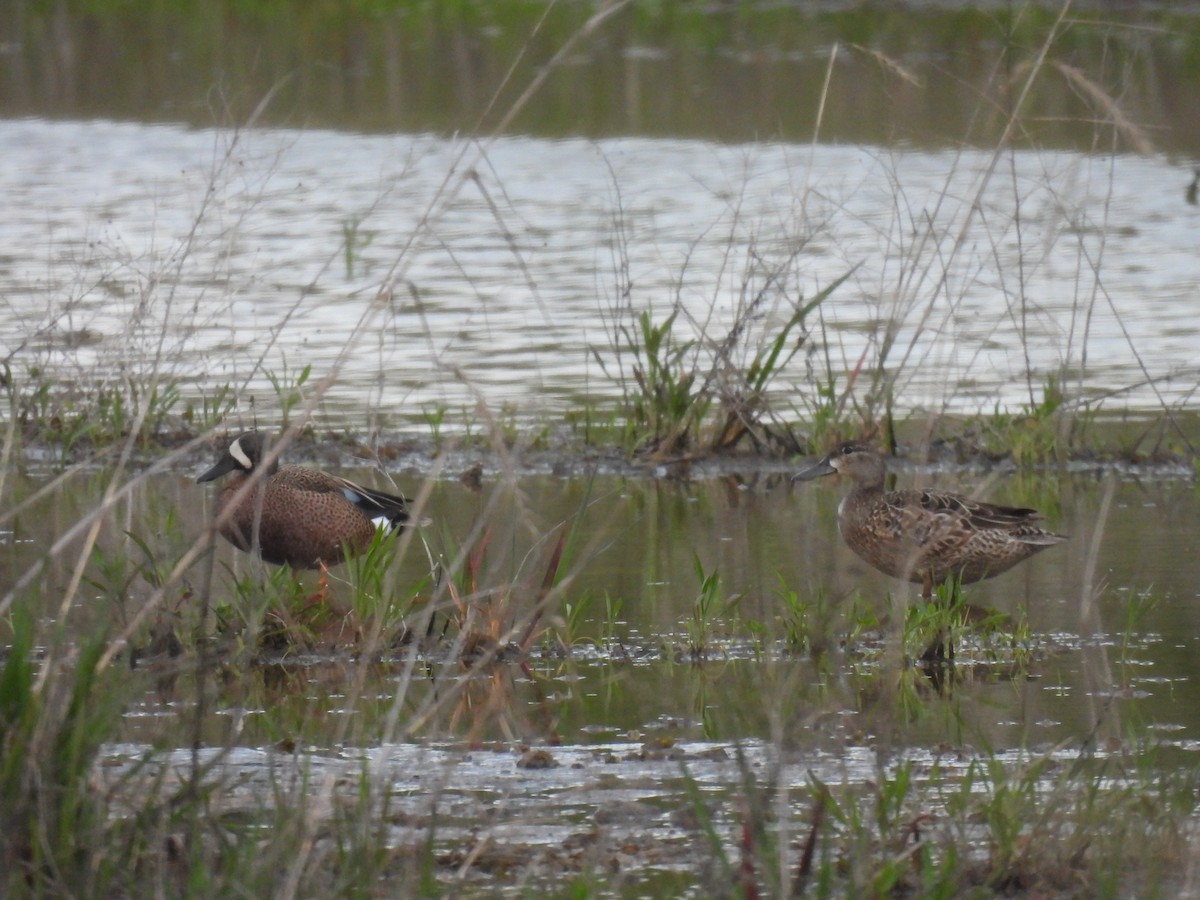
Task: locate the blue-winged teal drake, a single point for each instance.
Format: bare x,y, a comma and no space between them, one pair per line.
305,518
926,536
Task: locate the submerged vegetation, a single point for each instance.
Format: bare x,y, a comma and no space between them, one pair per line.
432,718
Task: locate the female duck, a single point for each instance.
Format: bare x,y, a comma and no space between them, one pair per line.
926,536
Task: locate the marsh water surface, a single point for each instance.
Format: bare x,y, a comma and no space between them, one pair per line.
631,717
636,544
208,259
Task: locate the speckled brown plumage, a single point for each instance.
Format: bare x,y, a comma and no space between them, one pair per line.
926,536
306,519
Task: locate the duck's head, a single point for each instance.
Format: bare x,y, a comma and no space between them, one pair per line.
855,459
243,454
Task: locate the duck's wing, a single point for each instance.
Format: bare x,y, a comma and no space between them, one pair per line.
383,508
974,513
953,518
388,510
925,518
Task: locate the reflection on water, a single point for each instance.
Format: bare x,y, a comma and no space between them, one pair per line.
635,548
928,74
217,259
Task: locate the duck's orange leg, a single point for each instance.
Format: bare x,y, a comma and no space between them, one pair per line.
321,595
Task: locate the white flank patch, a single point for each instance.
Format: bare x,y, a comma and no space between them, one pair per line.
236,451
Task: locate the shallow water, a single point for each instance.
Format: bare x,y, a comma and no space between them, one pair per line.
631,569
511,282
636,730
623,806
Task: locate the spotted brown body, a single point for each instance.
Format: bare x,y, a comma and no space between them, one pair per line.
297,516
927,536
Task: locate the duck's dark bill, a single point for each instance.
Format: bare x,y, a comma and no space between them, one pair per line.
815,471
226,464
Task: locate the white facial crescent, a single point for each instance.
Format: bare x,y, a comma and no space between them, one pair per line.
236,451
